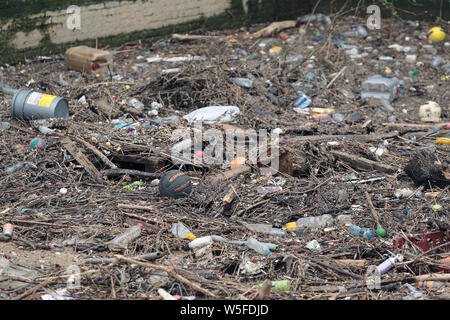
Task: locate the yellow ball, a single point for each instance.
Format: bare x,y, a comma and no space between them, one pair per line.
436,34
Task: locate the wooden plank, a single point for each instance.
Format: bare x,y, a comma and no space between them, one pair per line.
82,159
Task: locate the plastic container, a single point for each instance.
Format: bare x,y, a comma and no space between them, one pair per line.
121,242
319,222
380,88
389,263
259,247
430,112
89,60
179,230
360,232
31,105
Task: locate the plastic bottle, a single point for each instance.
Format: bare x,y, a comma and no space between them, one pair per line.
361,232
179,230
431,284
259,247
169,120
414,295
135,103
362,31
264,228
389,263
201,242
311,223
121,241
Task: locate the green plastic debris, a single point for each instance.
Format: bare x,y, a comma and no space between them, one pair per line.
133,186
278,285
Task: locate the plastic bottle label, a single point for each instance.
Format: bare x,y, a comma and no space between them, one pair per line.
41,100
190,236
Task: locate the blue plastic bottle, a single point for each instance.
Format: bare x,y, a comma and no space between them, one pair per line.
361,232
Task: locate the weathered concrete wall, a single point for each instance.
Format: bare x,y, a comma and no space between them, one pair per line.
29,27
113,18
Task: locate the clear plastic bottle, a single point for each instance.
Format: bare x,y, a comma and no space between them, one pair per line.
179,230
201,242
121,242
361,232
259,247
264,228
389,263
319,222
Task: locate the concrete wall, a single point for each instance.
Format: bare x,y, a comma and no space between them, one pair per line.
113,18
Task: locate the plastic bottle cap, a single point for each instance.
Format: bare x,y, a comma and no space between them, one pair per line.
141,225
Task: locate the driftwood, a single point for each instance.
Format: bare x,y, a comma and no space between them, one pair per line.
363,163
82,159
243,169
274,27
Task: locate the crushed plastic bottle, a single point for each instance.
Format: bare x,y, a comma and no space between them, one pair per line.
319,222
135,103
361,232
415,294
259,247
121,242
179,230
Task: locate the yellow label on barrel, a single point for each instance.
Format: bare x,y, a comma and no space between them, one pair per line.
46,100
